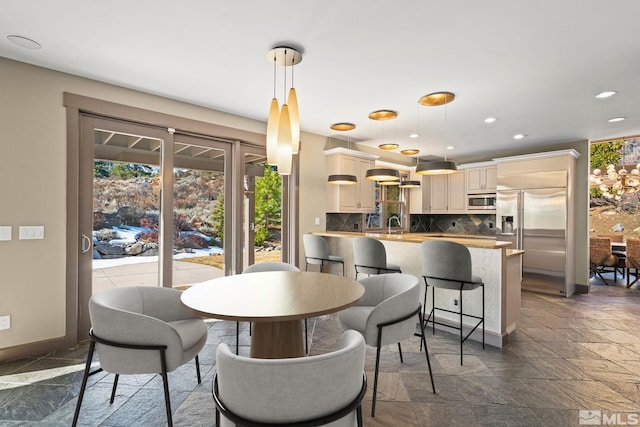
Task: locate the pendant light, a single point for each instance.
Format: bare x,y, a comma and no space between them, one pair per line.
437,167
292,101
383,174
415,135
409,184
272,123
343,179
283,125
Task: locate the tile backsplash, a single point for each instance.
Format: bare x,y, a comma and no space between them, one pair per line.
481,224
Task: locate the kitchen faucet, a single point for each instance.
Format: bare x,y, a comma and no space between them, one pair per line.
391,219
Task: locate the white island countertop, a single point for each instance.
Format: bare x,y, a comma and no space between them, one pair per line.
469,240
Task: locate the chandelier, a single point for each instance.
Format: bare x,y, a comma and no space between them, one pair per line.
614,184
283,125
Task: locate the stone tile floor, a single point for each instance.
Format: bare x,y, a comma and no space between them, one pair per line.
580,353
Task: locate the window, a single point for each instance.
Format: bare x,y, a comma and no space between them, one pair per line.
390,208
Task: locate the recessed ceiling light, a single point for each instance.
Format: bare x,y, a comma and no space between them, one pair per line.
451,147
606,94
616,119
23,41
414,135
490,119
519,136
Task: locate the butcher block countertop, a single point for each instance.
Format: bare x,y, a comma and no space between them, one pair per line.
471,241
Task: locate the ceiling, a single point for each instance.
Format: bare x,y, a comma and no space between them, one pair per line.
536,66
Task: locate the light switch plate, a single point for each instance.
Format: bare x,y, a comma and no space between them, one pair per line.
5,322
5,232
31,232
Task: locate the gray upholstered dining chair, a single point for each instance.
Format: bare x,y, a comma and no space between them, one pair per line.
387,314
370,257
270,266
316,251
308,391
447,265
142,330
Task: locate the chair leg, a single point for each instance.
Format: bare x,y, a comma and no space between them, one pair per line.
165,383
483,316
83,386
358,416
198,369
426,350
375,379
306,338
400,351
113,390
461,332
237,338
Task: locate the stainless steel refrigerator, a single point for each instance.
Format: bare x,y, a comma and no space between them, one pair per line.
532,214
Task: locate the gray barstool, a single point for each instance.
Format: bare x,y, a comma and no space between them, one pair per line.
447,265
370,257
316,251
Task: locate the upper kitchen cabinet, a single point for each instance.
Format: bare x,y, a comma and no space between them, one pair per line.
446,193
350,198
481,177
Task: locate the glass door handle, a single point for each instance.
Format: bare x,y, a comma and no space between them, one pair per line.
85,240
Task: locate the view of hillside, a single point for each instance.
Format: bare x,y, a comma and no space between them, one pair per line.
609,215
126,208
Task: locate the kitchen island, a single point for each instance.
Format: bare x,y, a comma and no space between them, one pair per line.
494,261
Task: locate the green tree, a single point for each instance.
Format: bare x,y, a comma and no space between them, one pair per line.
101,169
130,170
603,154
269,199
217,217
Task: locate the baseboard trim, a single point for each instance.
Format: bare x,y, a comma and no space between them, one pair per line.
35,349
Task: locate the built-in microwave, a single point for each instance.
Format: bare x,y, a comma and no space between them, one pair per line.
481,202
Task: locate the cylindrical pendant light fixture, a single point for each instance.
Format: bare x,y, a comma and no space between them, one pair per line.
436,167
382,174
409,184
292,102
342,179
284,142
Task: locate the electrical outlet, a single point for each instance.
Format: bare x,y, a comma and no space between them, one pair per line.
5,322
455,302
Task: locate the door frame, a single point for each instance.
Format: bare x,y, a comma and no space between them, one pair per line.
77,107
